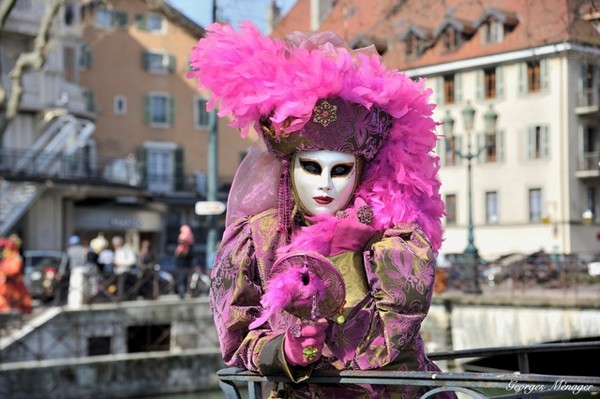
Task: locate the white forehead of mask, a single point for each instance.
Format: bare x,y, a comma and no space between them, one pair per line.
308,185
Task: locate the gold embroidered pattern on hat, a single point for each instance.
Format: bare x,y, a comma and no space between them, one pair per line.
325,113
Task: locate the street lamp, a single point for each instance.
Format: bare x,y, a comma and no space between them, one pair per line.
471,253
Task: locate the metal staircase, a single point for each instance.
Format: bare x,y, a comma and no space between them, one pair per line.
63,136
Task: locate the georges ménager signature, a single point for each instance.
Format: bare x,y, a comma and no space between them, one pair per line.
559,385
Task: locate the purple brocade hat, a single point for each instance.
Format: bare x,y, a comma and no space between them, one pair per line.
336,125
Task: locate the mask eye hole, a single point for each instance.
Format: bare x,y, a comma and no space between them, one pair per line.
311,167
342,170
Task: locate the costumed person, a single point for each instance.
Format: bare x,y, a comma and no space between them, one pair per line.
184,259
334,216
13,292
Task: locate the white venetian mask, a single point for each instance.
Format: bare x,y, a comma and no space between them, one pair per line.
323,181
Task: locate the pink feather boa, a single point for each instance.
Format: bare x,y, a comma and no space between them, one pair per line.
251,76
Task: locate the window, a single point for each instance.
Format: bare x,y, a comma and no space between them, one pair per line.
451,39
158,62
159,110
491,147
533,76
588,95
591,148
412,46
535,205
491,207
452,145
489,83
450,209
120,105
493,31
537,146
162,166
150,23
449,89
111,18
201,115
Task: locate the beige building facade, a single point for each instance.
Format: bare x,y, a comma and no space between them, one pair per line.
530,67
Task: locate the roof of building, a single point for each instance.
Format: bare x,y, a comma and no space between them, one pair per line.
176,17
389,23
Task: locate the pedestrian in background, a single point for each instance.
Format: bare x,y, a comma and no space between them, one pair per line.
183,259
125,259
146,272
73,267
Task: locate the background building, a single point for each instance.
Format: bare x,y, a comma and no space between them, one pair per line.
143,164
531,68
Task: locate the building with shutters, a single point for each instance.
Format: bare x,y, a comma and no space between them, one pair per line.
532,66
144,163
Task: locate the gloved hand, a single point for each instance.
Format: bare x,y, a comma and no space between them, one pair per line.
303,343
353,231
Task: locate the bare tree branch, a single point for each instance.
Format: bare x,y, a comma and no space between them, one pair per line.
34,59
5,8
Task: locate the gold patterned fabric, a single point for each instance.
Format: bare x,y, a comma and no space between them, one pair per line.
388,293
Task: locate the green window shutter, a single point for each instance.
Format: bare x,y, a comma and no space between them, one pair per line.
500,145
121,19
522,78
171,111
147,109
439,89
458,88
440,149
85,60
140,22
479,84
531,142
142,156
544,75
90,102
145,60
179,170
499,82
545,141
480,142
458,147
171,63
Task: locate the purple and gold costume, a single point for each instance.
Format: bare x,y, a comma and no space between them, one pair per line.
388,292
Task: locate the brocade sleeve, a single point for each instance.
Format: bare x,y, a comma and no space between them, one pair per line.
241,265
400,274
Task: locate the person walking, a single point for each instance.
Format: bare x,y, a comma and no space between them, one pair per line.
73,266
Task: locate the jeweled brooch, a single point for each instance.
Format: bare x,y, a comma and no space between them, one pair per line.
325,113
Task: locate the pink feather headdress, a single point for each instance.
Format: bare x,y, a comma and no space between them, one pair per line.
261,81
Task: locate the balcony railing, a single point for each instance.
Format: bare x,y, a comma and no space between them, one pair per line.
19,164
589,161
517,384
83,166
588,97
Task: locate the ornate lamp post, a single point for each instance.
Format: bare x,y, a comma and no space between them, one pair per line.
471,253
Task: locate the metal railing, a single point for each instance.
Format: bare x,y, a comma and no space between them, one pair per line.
521,384
589,161
588,97
85,166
